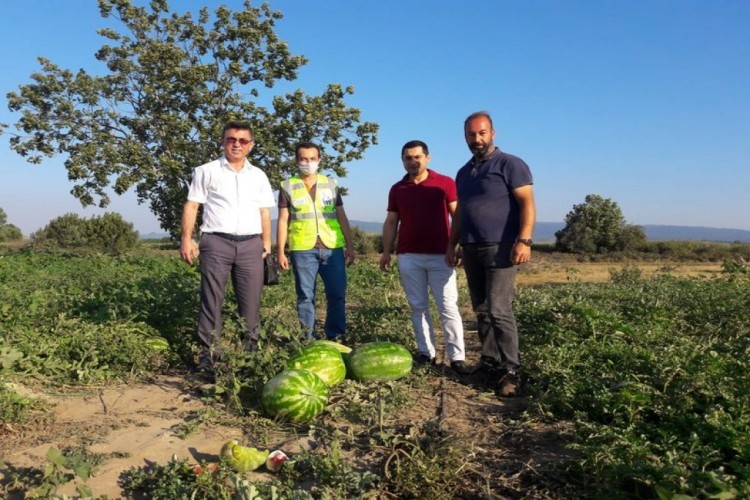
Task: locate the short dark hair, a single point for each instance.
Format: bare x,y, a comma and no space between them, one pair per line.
306,145
415,144
237,125
479,114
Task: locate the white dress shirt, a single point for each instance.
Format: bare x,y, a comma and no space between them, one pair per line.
231,200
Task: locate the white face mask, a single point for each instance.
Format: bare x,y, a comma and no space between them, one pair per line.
307,168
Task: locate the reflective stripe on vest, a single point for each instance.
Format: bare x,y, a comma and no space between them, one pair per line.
309,220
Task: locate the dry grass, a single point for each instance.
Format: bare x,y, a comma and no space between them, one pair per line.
545,270
557,268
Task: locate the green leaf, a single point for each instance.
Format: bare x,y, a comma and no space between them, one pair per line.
55,457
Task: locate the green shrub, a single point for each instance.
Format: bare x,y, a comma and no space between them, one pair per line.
109,234
15,408
66,231
364,243
627,275
8,232
735,266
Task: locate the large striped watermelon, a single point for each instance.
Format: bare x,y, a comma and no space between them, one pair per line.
295,395
323,360
379,361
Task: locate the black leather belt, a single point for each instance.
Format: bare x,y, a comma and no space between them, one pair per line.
235,237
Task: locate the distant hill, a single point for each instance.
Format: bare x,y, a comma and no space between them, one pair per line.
368,227
544,232
690,233
153,236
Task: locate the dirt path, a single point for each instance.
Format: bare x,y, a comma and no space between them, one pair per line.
137,424
133,425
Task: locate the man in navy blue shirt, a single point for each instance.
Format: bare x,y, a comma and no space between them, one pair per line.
496,216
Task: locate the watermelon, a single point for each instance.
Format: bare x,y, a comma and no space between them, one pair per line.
295,395
323,360
379,361
157,343
343,349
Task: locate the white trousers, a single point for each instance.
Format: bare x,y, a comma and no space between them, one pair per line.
422,273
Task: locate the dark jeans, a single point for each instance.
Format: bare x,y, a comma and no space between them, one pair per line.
221,258
491,276
331,266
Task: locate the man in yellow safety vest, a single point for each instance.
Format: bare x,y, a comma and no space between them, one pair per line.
313,222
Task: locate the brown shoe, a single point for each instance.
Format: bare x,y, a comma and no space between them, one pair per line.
509,384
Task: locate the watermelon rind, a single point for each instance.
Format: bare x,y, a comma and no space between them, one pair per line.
379,361
294,395
157,343
343,349
323,360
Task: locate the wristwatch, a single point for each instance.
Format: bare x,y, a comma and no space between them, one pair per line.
525,241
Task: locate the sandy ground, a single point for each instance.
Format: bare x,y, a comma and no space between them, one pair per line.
134,424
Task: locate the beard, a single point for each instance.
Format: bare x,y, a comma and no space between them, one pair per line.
480,150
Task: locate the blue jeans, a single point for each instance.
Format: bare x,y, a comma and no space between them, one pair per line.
330,264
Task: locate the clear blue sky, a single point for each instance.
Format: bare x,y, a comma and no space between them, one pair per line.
646,102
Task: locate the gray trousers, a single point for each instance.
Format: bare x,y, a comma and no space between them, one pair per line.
491,276
219,259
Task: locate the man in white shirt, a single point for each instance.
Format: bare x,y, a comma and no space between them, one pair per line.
236,236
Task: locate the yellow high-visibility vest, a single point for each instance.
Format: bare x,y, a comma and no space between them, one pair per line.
310,219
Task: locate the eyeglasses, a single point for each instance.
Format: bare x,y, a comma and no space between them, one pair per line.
242,141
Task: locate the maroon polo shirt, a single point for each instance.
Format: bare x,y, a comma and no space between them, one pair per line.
424,223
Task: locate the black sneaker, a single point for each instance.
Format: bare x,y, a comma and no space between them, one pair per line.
205,363
205,369
208,359
250,345
460,368
509,384
424,359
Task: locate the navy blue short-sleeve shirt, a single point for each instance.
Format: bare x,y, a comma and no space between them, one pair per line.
487,210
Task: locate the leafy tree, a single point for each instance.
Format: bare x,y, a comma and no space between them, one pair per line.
8,232
172,81
598,226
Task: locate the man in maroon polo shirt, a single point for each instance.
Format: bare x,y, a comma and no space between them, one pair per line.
420,208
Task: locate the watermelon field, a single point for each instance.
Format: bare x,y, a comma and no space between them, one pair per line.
635,386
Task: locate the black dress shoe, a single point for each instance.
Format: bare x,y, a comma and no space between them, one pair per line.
424,359
460,368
